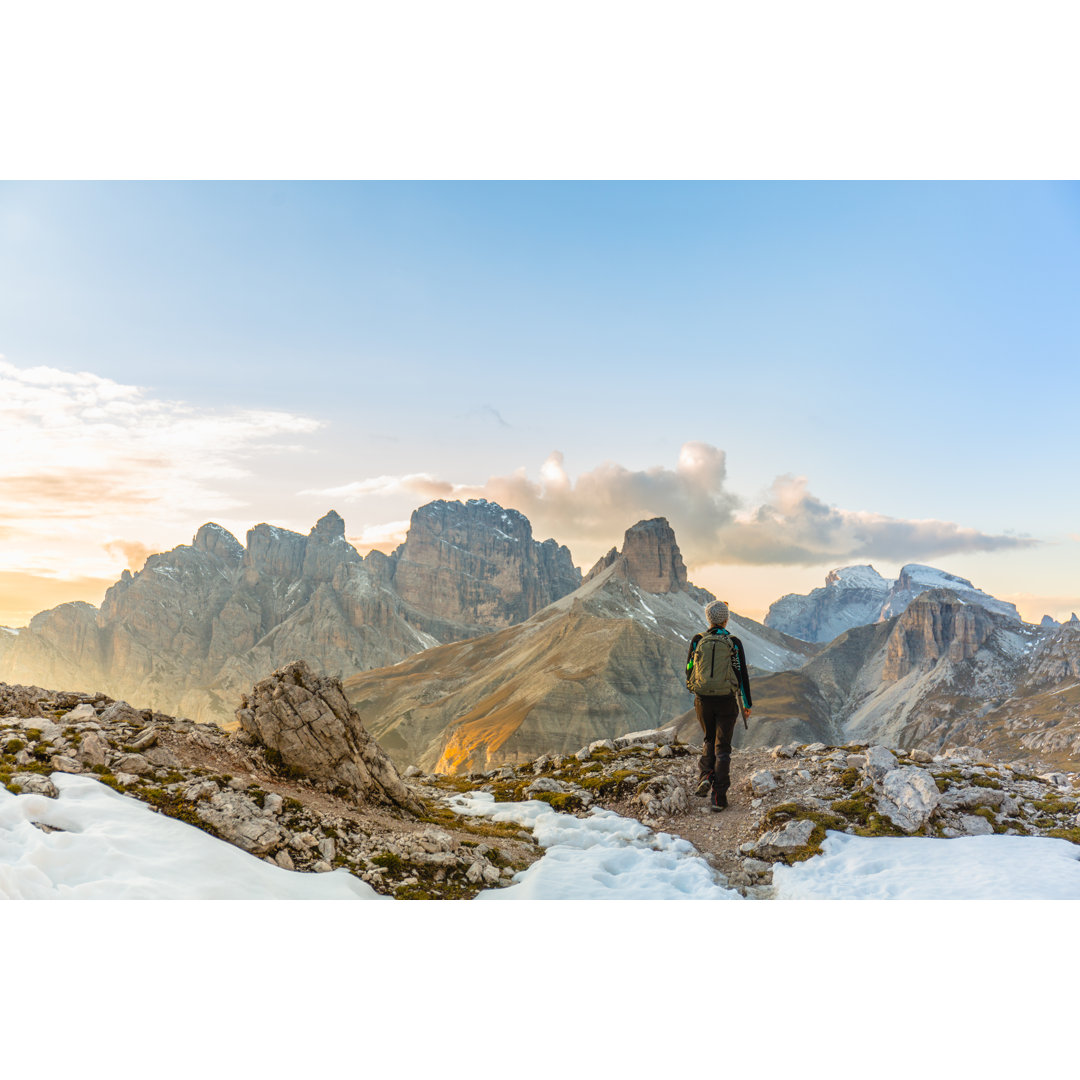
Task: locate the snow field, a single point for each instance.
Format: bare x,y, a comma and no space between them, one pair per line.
117,848
923,868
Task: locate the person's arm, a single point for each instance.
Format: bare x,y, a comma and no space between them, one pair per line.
743,673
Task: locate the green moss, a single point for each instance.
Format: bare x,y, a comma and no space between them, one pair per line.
880,825
1072,835
439,814
257,796
985,782
174,806
394,864
33,734
294,805
14,747
1054,804
858,807
849,778
564,801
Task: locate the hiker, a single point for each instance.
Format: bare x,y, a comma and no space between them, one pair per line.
717,675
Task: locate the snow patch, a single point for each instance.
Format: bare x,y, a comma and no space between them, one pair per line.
600,857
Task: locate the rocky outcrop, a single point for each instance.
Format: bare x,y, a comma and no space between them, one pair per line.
225,785
475,563
304,720
650,558
938,624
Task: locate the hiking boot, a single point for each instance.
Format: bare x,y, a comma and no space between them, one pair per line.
718,801
704,786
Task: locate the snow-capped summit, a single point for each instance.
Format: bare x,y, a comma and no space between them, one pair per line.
859,595
856,577
916,579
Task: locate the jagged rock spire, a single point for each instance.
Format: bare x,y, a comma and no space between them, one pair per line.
304,718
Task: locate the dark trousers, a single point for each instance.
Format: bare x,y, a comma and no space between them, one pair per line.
717,716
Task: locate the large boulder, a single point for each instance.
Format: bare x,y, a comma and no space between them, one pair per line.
305,720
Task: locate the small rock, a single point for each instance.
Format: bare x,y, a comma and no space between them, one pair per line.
762,781
601,744
200,789
804,774
815,748
792,837
133,763
80,712
880,761
125,779
756,867
147,739
273,804
63,763
856,761
284,860
411,771
323,867
163,758
665,752
327,848
92,750
475,874
491,875
975,825
921,756
34,784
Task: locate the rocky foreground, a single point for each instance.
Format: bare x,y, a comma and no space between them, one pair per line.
302,785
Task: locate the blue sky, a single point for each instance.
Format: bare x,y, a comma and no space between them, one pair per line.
908,348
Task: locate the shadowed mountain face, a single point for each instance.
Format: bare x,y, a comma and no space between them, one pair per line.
201,623
945,672
603,660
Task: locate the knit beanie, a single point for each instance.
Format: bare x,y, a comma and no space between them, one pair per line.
716,613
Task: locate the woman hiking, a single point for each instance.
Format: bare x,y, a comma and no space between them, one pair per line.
717,675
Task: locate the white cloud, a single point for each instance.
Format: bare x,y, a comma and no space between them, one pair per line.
713,525
91,464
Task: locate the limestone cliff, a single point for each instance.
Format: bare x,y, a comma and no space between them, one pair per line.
476,564
198,625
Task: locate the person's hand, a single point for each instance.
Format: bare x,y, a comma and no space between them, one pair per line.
746,713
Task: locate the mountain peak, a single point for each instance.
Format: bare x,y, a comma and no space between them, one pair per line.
651,557
215,540
331,526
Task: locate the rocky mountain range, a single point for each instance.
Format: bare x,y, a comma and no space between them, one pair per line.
473,645
201,623
859,595
606,658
